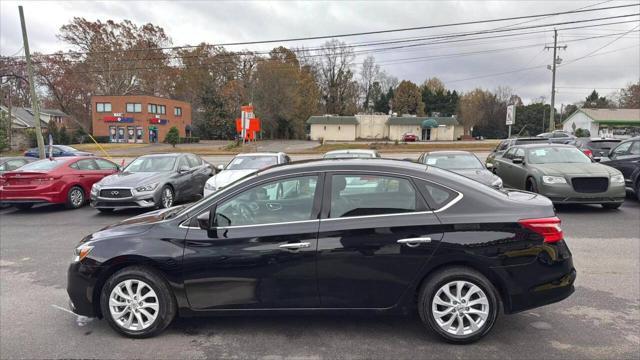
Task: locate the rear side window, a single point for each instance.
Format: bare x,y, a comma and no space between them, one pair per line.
106,165
635,148
194,161
360,195
86,165
437,196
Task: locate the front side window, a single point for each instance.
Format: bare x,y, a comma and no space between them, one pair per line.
134,108
359,195
509,153
622,149
635,148
275,202
194,161
503,146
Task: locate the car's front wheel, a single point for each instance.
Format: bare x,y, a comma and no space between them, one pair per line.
532,185
137,302
459,304
167,197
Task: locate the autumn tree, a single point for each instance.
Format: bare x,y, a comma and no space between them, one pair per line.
408,99
472,109
629,97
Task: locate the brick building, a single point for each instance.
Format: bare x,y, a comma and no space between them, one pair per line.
138,118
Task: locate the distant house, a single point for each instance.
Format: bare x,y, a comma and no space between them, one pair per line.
23,119
371,127
604,122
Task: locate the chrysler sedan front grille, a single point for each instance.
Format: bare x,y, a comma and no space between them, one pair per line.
115,193
590,184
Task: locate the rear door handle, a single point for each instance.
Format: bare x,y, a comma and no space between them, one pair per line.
295,246
413,242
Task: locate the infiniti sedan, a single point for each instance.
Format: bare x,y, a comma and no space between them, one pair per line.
152,181
378,235
562,173
463,163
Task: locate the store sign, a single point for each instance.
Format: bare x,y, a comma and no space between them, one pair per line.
118,119
158,121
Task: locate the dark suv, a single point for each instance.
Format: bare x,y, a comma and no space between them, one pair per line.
504,145
626,158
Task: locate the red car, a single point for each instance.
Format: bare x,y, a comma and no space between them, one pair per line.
409,137
65,180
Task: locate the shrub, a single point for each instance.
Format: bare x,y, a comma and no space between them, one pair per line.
173,136
582,132
189,140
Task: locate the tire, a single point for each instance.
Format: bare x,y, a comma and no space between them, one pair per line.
638,189
105,211
162,313
485,304
166,190
23,206
532,186
75,198
611,206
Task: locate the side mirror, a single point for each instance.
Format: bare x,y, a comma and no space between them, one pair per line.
220,167
517,160
205,220
489,165
183,169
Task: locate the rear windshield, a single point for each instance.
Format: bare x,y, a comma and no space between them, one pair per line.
454,161
348,155
531,141
42,165
603,145
252,162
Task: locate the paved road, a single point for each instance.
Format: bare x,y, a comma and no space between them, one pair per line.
601,320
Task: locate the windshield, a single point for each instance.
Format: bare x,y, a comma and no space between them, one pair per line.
454,161
151,164
347,155
552,155
42,165
251,162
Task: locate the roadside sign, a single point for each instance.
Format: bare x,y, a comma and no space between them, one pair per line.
511,114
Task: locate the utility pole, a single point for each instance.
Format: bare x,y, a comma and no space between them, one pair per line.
556,60
32,86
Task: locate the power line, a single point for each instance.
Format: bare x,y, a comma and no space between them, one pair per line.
600,48
373,32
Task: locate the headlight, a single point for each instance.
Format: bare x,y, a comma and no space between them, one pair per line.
209,187
497,183
95,188
554,180
81,252
617,179
149,187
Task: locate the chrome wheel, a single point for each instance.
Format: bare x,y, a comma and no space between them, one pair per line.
76,197
460,308
167,197
133,305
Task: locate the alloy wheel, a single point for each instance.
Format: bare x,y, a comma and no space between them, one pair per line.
460,308
167,197
133,305
76,197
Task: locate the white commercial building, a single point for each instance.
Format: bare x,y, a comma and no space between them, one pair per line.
604,122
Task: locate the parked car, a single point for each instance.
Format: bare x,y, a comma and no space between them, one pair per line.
626,158
351,153
558,137
243,165
418,237
57,181
504,145
562,173
158,180
409,137
13,162
57,151
461,162
596,148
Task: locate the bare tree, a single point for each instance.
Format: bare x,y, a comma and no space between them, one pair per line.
339,91
369,74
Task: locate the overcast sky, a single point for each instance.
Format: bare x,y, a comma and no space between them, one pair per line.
192,22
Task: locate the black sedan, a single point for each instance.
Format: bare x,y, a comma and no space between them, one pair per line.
461,162
596,148
330,235
626,158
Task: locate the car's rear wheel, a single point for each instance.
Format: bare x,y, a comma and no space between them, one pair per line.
532,185
611,206
75,198
167,197
23,206
459,304
137,302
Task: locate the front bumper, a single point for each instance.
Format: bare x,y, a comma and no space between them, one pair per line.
137,200
81,281
565,194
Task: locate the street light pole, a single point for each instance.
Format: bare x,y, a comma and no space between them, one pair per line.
32,88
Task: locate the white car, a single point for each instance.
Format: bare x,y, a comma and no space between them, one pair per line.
350,154
243,165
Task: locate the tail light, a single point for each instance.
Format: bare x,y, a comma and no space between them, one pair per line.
44,180
588,152
549,228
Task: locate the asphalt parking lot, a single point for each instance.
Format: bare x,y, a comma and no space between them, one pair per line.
601,320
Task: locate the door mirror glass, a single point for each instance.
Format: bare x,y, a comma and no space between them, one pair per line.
204,220
489,165
220,167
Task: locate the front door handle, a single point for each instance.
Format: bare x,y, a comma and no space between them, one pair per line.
294,246
414,242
